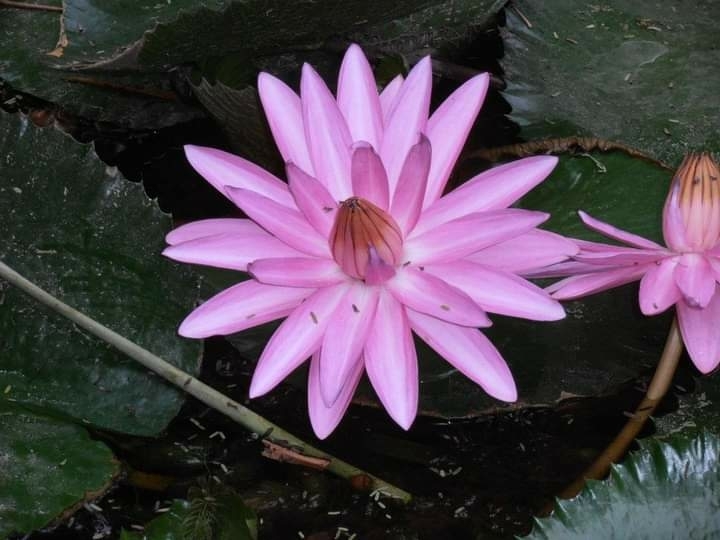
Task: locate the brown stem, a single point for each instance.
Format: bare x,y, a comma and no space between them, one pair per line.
656,391
557,146
27,5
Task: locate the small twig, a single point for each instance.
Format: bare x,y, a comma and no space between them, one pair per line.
186,382
521,15
656,391
286,455
27,5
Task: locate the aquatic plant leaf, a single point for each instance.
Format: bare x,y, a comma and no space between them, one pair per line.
49,466
643,73
81,231
665,490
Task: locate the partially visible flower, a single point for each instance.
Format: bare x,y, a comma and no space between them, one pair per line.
358,249
684,274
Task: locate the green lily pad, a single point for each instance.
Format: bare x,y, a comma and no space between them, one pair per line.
666,490
85,234
644,72
48,467
223,517
116,60
94,30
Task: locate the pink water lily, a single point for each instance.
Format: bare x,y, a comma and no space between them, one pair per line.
358,249
684,274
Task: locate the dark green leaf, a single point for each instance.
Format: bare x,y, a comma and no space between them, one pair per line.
666,490
94,30
48,466
85,234
644,72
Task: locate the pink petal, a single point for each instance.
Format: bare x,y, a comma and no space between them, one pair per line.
673,222
313,199
448,129
242,306
284,113
617,234
699,328
621,256
469,351
714,264
344,342
586,284
429,294
388,97
327,134
377,271
325,419
231,251
408,197
222,169
494,189
391,361
212,227
658,290
499,292
298,337
407,120
357,98
460,237
531,250
695,278
369,179
297,272
287,224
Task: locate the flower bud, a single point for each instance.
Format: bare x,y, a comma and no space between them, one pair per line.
365,241
691,220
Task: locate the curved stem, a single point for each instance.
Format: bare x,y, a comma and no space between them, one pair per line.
656,391
208,395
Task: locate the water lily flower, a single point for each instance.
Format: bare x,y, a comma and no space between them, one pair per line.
683,274
359,248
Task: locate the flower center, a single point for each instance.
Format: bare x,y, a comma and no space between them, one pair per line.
365,241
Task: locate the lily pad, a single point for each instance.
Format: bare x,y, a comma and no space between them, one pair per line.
109,61
34,62
48,467
644,72
666,490
85,234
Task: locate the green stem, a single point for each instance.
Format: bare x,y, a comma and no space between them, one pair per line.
186,382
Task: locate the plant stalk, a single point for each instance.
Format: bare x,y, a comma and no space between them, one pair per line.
29,6
659,385
196,388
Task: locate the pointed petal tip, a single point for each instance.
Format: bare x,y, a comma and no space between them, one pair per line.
190,330
508,394
258,388
354,50
321,432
